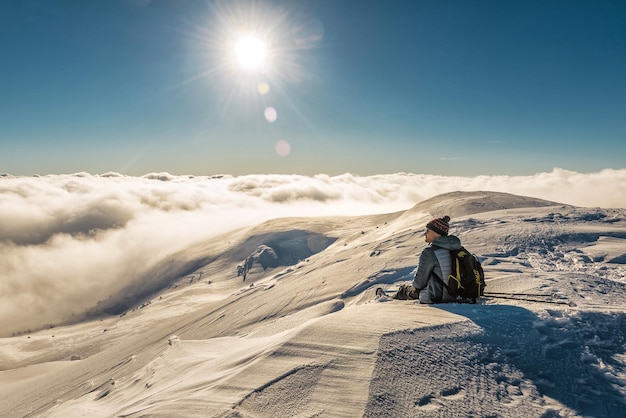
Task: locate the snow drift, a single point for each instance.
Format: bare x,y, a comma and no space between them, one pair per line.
304,335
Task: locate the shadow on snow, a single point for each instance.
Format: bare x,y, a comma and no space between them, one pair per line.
505,361
569,357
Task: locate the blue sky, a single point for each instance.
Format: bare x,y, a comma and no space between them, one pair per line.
366,87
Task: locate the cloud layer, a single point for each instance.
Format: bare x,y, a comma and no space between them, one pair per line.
69,241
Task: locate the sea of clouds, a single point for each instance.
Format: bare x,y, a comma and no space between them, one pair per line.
69,241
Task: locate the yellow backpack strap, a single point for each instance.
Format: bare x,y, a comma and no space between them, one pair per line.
457,278
458,272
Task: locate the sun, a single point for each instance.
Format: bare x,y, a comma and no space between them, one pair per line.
251,53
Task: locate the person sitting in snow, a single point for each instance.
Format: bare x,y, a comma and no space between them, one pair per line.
435,265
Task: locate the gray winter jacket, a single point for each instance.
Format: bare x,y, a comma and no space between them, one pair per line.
435,260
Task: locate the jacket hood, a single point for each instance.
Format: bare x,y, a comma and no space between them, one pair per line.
449,242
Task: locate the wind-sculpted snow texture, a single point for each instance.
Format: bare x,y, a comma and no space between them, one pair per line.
506,362
302,333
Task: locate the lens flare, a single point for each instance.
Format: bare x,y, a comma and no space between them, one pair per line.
263,88
308,33
283,148
270,114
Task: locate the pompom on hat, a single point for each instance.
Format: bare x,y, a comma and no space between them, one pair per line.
440,225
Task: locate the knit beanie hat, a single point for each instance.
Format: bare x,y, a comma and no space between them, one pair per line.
440,225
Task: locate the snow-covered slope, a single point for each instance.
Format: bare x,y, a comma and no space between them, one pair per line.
304,335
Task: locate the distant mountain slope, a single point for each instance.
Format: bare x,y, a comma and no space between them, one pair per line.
457,204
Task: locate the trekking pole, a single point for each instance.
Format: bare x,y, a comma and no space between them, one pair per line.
494,294
529,297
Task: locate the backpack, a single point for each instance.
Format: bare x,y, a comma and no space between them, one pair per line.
467,279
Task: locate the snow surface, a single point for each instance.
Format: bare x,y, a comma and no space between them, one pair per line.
305,336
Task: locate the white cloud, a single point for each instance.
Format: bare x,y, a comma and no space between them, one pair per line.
69,241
